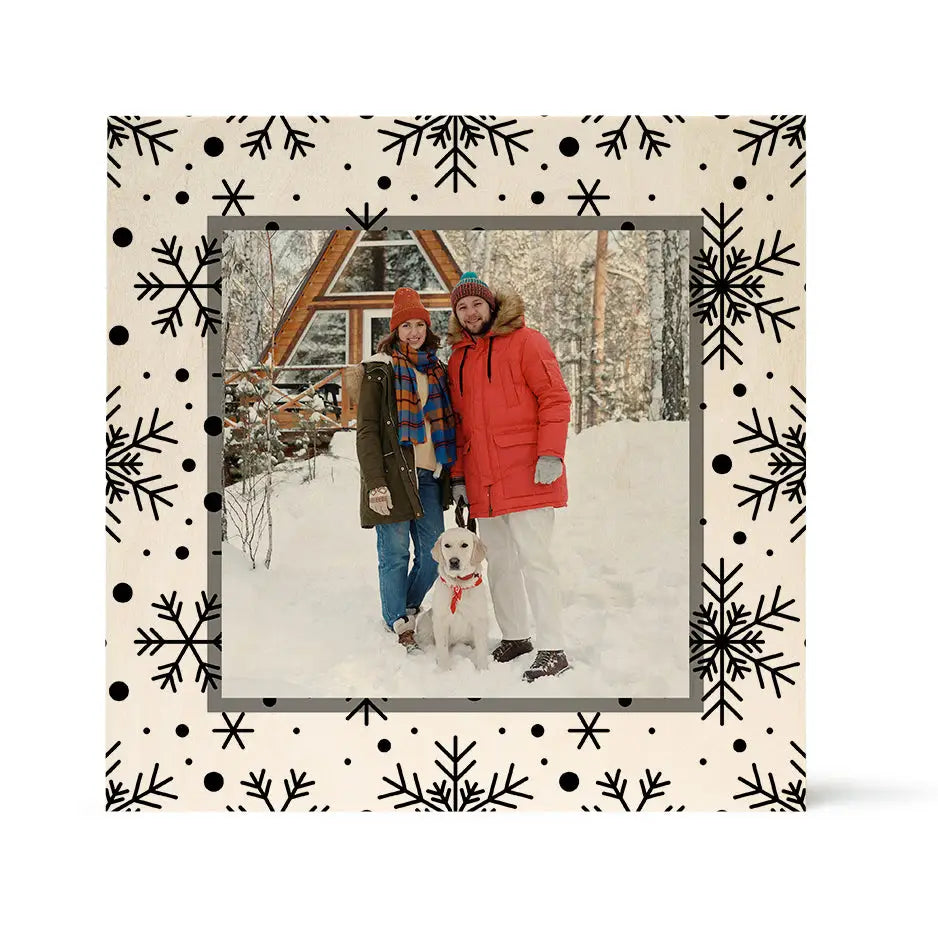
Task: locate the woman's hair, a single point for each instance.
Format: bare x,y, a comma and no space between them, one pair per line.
431,343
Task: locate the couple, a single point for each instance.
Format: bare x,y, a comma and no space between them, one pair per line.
488,432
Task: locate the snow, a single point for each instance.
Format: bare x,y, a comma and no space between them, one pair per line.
311,625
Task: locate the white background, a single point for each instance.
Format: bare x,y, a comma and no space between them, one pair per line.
861,860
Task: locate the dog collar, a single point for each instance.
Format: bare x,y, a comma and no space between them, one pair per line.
458,590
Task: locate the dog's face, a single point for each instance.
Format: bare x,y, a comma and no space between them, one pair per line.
458,552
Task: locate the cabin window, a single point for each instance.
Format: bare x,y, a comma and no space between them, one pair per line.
382,261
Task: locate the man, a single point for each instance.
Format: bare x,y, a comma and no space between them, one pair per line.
512,410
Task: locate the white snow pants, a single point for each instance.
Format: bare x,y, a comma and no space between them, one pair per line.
520,562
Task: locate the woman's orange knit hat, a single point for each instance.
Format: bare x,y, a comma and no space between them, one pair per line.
406,306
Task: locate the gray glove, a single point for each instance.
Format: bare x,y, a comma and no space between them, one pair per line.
459,492
548,469
379,500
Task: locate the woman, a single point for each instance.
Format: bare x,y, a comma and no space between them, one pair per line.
406,442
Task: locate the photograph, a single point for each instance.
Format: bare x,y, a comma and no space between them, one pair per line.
456,463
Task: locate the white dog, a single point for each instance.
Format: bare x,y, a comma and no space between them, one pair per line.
458,611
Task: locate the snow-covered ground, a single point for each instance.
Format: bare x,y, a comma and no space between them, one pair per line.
311,626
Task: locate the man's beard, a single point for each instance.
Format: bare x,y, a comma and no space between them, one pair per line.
484,328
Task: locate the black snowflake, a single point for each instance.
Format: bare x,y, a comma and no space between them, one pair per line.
232,731
119,797
294,788
258,142
456,137
232,197
454,792
368,221
787,128
146,135
588,731
650,786
727,642
766,794
588,197
124,465
728,286
614,143
151,285
152,641
786,463
366,707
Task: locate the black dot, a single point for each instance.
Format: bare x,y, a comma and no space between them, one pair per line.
769,730
188,521
769,552
722,464
212,501
146,731
651,731
625,701
740,182
413,730
213,781
213,146
703,520
348,761
627,226
769,375
296,731
188,465
537,197
348,165
739,745
721,117
651,197
212,425
703,761
122,237
188,166
537,730
146,375
272,226
703,165
296,197
739,537
366,117
146,197
703,406
569,146
384,745
269,701
569,781
122,592
182,197
118,690
118,335
182,730
413,197
384,182
182,552
501,731
502,197
182,374
543,762
739,389
146,552
543,166
188,407
769,197
188,762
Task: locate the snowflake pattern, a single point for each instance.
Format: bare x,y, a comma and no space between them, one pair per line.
587,196
651,142
152,285
124,467
119,797
761,133
766,793
786,464
727,642
295,788
366,707
650,787
454,792
232,197
232,731
184,642
588,731
728,286
368,221
258,141
146,136
456,137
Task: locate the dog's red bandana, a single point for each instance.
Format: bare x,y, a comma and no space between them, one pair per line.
458,590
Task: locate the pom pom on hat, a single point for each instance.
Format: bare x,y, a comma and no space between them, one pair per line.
406,306
471,285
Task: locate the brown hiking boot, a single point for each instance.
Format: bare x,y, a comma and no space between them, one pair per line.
546,664
404,630
509,648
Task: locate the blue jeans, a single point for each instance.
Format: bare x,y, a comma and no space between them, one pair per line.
400,589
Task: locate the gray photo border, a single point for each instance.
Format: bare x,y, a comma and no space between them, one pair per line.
693,703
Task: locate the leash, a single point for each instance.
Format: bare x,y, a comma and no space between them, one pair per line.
466,521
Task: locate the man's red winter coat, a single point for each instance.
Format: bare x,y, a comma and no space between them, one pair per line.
512,406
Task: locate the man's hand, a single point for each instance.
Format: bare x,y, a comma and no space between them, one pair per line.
548,469
379,500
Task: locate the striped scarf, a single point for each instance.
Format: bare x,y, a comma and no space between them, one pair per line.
438,410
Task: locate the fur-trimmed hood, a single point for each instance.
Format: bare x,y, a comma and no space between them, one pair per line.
355,374
508,318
